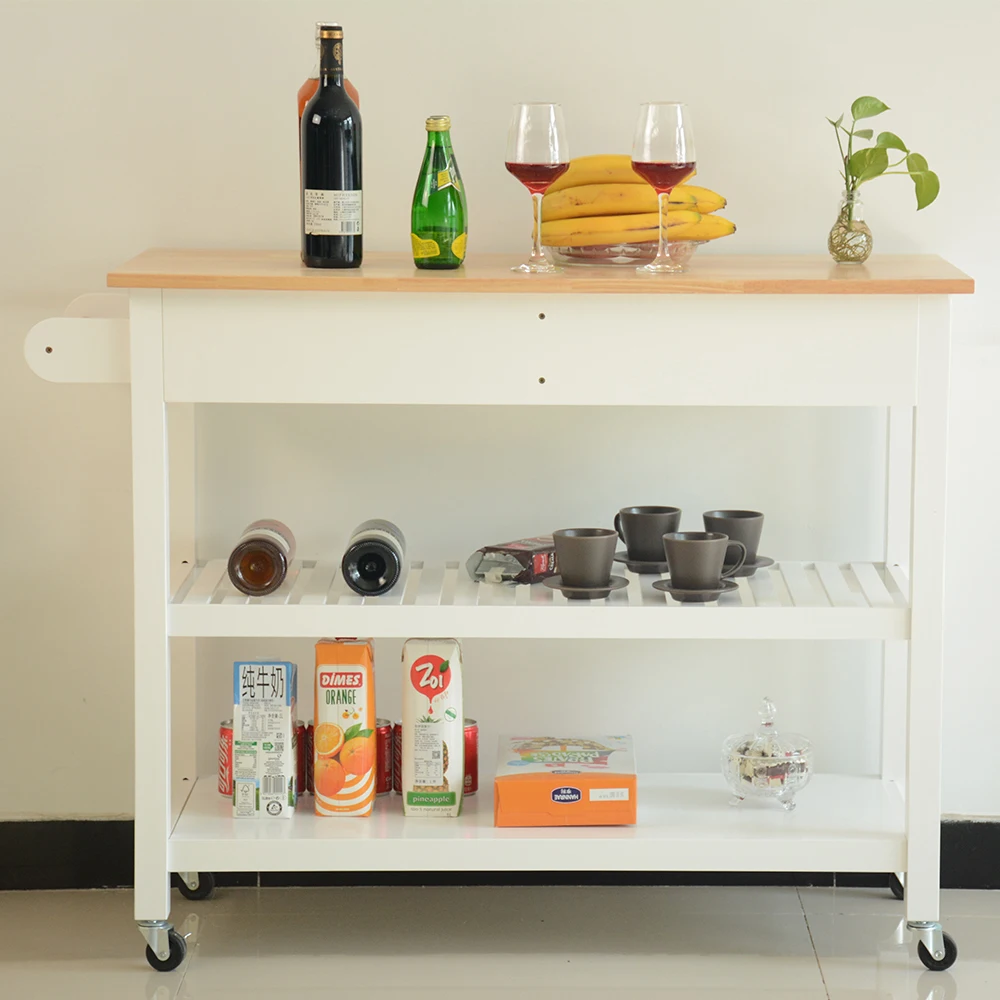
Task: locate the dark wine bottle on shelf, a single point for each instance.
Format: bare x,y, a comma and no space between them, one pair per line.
374,560
331,164
259,562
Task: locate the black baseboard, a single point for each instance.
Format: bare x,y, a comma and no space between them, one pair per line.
94,854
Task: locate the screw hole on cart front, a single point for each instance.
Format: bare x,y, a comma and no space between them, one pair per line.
541,380
541,315
48,350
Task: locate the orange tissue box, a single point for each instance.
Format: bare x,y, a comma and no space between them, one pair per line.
564,781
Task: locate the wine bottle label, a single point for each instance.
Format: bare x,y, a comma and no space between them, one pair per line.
458,246
445,178
424,248
332,213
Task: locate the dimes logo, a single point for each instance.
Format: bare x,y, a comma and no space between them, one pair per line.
566,794
340,679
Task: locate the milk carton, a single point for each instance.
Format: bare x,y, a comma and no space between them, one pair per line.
433,728
264,763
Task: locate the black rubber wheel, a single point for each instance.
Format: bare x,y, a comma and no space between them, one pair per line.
205,890
178,949
895,886
950,954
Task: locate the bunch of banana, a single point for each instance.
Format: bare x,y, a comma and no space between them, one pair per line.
600,200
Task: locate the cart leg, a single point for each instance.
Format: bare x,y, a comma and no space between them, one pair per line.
924,720
150,514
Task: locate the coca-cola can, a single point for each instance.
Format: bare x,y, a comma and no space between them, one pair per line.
226,757
383,757
300,757
309,756
471,756
397,757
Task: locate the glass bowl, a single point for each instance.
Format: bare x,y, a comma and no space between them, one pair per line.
767,764
624,253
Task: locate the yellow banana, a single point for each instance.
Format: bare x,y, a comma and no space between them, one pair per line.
624,199
707,200
600,229
707,227
638,228
606,168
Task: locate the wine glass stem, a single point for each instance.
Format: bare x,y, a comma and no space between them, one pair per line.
536,250
663,198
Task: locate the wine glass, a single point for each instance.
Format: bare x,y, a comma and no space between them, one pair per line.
663,155
536,155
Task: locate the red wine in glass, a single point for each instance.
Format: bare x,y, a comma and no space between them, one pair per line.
662,176
537,177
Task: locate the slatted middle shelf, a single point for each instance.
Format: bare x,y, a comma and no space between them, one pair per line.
790,600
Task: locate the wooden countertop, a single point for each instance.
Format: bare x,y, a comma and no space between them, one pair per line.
281,270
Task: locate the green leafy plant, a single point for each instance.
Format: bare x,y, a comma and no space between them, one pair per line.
859,166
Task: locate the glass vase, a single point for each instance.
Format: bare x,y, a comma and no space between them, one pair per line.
850,240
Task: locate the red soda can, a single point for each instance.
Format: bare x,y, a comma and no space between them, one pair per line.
300,757
226,757
309,756
471,756
383,757
397,757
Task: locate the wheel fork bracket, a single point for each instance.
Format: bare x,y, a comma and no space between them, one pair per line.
156,933
932,935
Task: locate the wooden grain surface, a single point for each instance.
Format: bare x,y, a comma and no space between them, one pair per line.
281,270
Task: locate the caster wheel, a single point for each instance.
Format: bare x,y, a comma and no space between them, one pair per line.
178,949
205,890
950,954
895,886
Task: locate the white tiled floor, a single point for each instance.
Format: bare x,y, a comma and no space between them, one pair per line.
494,943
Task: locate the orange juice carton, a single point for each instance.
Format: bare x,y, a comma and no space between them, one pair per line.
344,733
564,781
264,762
433,728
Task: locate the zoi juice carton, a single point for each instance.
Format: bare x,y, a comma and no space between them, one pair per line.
433,728
264,765
344,733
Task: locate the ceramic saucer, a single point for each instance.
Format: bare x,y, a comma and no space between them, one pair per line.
586,593
695,596
749,568
638,566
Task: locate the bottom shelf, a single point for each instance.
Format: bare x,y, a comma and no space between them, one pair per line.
842,823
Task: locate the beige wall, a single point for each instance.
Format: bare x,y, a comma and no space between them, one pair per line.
140,123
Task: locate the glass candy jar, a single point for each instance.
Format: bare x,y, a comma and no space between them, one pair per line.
765,763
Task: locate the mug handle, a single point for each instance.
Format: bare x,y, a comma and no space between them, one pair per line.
730,570
618,526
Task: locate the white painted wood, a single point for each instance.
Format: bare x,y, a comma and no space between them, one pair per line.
73,349
207,582
685,824
231,346
150,501
899,483
99,305
440,599
926,668
181,463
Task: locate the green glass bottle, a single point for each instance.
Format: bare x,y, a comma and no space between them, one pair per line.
439,221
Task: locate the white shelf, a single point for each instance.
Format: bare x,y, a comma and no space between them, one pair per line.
791,600
685,824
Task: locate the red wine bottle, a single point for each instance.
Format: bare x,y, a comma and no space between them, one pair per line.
331,164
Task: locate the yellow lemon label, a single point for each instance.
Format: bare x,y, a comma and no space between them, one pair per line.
444,178
424,248
458,246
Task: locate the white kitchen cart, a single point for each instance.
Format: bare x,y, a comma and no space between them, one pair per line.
256,327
